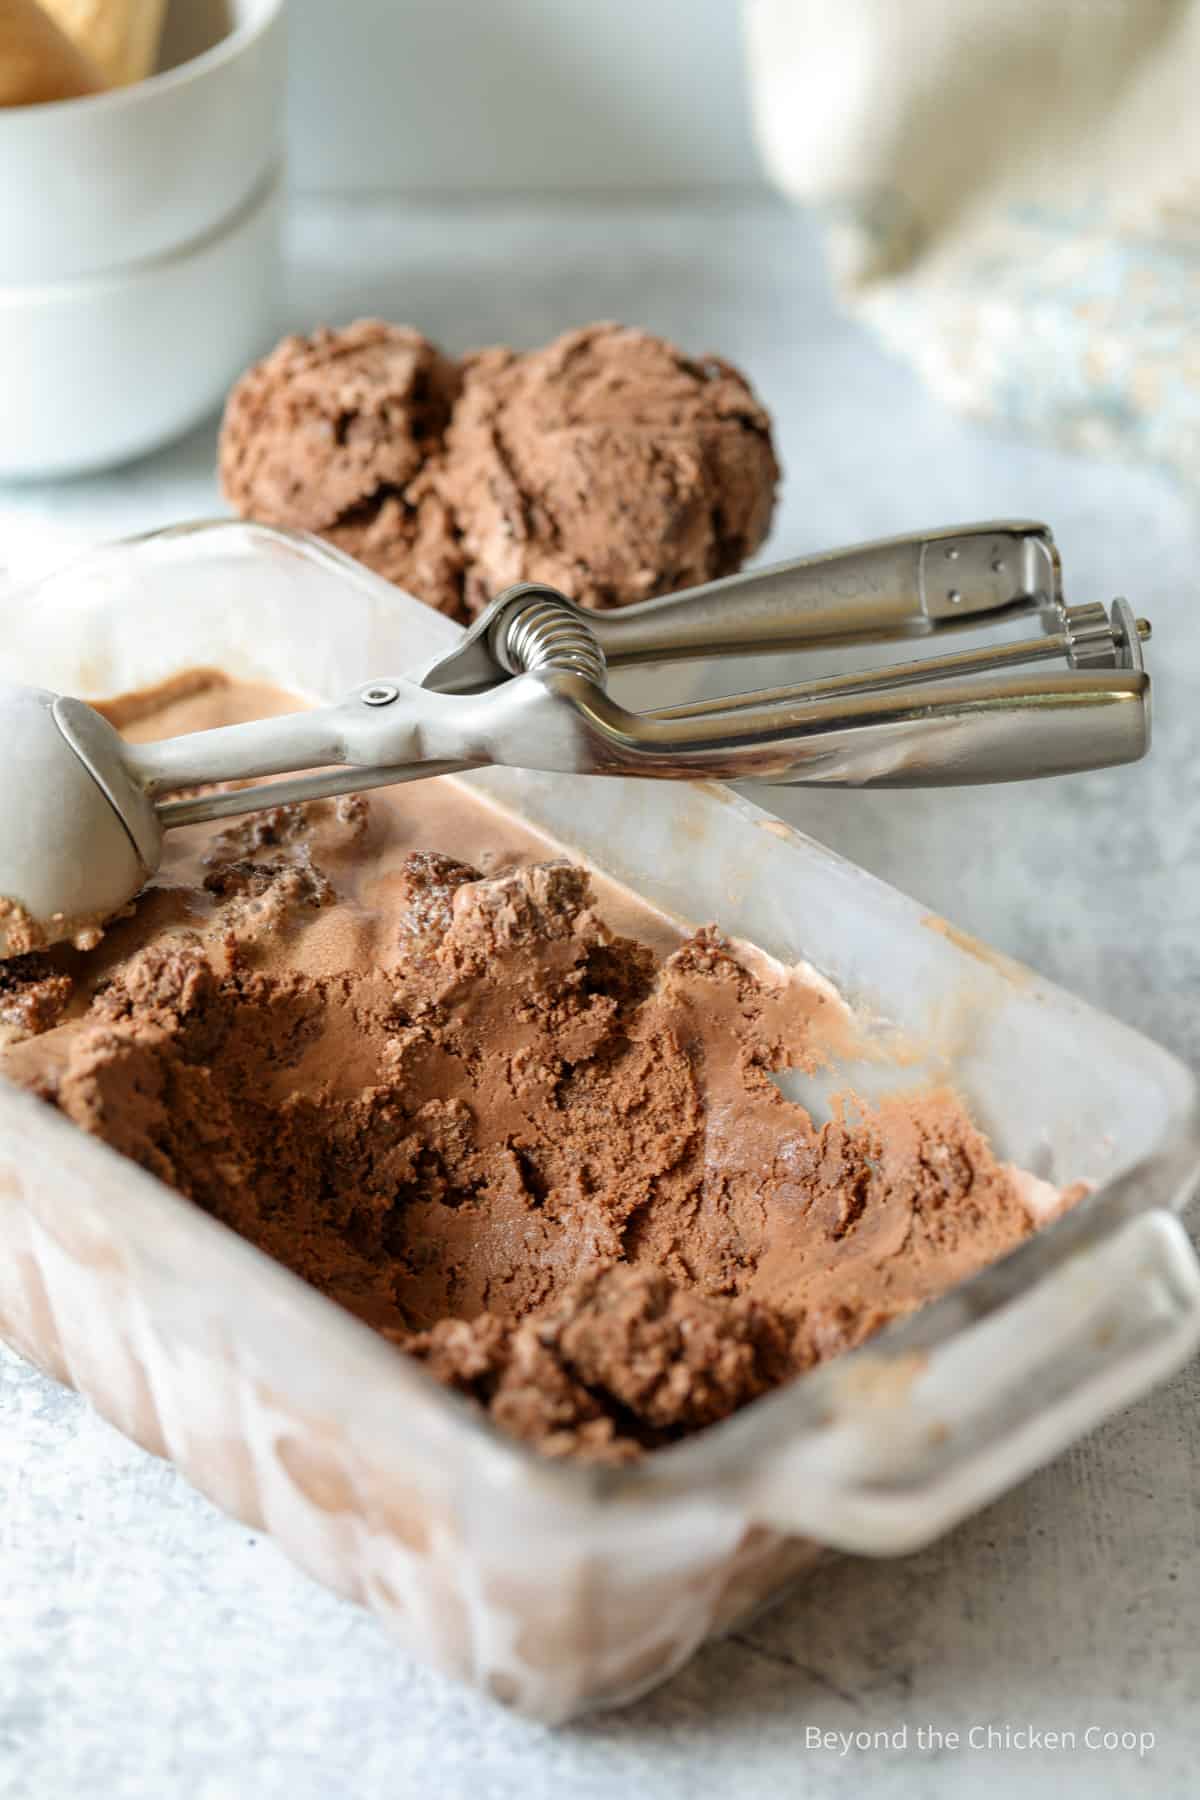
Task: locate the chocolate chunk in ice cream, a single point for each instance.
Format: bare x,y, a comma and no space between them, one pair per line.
33,995
502,1110
608,464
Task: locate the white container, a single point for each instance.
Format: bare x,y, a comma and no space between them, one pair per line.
98,370
555,1587
96,184
139,251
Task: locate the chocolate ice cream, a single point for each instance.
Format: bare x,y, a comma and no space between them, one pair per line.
608,464
329,433
500,1109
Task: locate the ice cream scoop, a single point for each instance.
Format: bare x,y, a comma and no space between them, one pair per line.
526,687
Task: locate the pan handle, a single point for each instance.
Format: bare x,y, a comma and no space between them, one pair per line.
917,1441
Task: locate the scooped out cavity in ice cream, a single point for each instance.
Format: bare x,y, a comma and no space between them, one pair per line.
608,464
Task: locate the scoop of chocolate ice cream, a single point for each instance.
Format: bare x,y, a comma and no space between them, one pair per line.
329,433
609,465
409,539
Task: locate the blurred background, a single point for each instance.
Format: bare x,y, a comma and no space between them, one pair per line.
520,94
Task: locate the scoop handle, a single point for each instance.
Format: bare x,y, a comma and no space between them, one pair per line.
356,732
940,734
891,588
894,587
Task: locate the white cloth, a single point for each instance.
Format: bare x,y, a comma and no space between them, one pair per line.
1012,189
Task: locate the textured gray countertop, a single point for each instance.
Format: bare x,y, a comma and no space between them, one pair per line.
150,1647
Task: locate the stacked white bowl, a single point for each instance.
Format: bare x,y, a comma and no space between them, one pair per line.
139,250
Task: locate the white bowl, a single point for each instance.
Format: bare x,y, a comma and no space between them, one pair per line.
93,184
98,370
